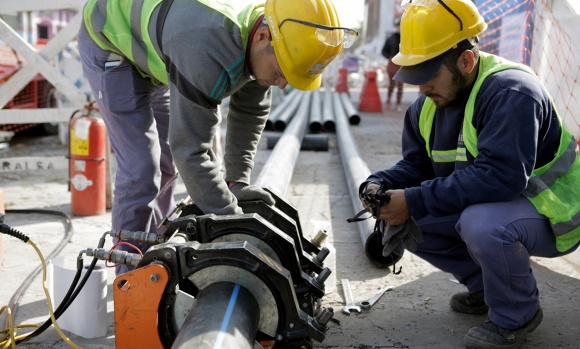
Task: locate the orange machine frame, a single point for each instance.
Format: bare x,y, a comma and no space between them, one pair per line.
137,295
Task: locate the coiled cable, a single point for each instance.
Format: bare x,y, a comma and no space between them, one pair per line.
11,341
69,232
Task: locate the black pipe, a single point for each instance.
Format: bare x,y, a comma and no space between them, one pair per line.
277,171
288,113
309,142
279,109
315,119
224,315
356,172
328,111
351,112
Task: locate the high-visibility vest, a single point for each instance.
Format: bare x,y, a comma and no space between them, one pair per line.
553,189
125,27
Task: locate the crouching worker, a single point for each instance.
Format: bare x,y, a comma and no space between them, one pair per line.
490,174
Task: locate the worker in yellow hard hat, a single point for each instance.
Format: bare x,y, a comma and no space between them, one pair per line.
159,70
490,174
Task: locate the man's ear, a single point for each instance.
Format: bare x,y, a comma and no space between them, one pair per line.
466,62
262,35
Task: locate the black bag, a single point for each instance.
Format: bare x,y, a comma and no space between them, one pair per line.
391,46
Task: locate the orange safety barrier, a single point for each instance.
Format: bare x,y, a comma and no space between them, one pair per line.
370,100
342,82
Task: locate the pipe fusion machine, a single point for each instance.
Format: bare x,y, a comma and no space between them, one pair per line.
231,281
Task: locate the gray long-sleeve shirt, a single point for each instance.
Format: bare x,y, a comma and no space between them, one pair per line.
201,58
205,59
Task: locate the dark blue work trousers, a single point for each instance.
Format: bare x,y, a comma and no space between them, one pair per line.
488,247
136,114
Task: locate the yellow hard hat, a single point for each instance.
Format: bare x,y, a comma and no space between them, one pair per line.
307,36
430,28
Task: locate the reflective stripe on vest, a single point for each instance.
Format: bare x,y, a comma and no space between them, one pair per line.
123,27
455,155
553,189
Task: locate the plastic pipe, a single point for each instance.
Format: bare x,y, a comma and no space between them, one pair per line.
356,172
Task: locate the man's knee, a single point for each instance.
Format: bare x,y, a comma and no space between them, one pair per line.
477,227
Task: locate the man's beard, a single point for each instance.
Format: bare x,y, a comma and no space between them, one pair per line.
459,87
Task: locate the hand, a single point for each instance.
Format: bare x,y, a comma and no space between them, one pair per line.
246,192
397,238
396,211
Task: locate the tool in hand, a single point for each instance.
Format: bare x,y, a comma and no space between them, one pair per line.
349,306
368,304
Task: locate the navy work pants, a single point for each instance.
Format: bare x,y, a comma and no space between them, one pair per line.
488,247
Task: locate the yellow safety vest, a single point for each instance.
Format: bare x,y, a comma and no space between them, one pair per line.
553,189
124,26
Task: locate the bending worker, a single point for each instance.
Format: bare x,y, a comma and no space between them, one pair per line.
135,52
490,174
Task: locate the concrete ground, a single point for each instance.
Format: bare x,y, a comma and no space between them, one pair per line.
415,314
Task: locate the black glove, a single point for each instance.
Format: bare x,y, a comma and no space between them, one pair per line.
247,192
373,197
369,188
397,238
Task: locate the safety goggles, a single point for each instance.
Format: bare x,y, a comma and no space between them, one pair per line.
331,36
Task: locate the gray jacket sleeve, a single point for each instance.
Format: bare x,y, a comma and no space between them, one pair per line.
192,128
247,117
201,66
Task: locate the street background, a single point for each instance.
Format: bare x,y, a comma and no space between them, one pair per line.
415,314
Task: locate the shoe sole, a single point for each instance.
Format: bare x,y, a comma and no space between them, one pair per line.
463,309
536,320
474,343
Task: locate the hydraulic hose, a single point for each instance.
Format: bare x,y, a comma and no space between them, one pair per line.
6,229
57,313
13,303
73,290
70,295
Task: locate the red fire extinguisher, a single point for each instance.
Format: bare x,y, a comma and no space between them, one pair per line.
87,148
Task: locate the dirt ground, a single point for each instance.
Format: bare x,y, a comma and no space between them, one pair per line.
415,314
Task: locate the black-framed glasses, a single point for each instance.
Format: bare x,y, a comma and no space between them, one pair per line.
331,36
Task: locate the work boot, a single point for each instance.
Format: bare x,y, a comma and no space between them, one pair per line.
469,303
490,336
